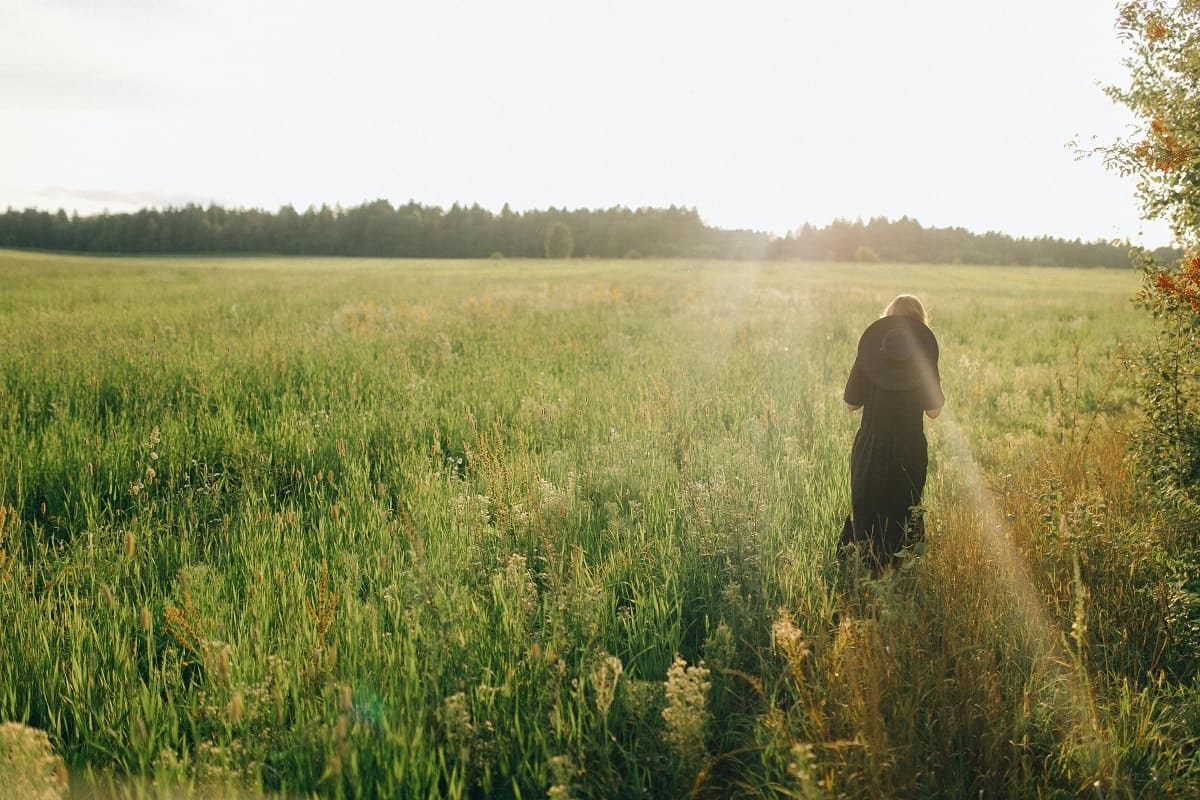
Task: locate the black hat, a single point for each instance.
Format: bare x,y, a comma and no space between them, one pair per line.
898,352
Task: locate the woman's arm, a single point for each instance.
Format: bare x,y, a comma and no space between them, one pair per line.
936,400
856,387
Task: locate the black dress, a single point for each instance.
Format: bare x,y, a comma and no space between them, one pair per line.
890,455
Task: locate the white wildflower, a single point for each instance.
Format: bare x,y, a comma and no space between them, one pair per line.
29,767
604,681
686,713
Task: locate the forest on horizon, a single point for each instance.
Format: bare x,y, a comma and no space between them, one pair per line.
416,230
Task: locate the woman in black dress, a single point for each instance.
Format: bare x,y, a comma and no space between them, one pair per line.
894,381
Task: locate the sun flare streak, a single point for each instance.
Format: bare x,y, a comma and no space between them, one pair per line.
1047,649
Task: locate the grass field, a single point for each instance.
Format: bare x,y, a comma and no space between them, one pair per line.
526,528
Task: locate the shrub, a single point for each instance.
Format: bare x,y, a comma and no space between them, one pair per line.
1168,444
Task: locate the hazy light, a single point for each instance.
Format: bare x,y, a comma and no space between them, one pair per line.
1047,647
762,115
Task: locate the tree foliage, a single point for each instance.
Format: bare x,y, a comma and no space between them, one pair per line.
415,230
1163,155
559,242
1164,95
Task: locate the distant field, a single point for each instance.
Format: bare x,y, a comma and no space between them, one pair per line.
405,528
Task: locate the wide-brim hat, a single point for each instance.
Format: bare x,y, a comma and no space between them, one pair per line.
898,353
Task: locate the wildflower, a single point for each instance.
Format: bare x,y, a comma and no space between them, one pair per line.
555,500
29,767
455,717
801,768
562,772
604,681
518,580
686,713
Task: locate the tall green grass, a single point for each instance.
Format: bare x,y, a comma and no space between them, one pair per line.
508,528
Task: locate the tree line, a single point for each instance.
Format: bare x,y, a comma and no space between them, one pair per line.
415,230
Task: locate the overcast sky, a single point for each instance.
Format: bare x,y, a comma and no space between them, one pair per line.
761,114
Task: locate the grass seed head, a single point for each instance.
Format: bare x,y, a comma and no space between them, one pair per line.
789,640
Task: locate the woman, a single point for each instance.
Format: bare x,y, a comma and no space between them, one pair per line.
894,380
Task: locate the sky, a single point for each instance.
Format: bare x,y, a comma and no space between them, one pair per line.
761,114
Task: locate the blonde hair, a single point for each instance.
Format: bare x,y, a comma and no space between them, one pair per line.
906,305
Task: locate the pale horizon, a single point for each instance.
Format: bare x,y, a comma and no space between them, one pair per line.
762,117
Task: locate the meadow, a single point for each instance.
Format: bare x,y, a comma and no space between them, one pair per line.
526,528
